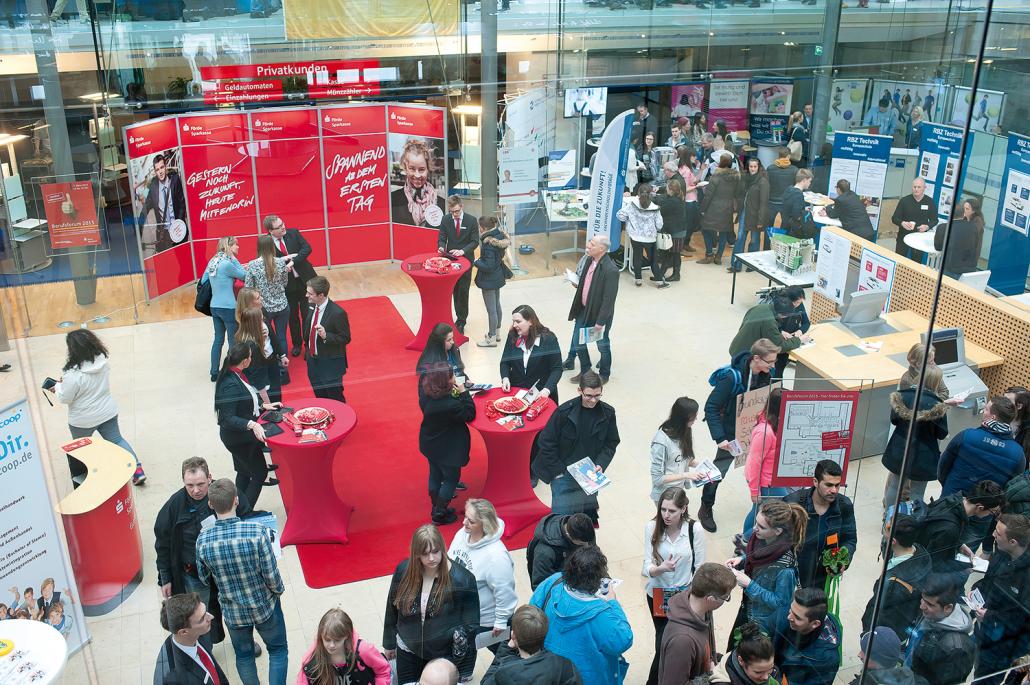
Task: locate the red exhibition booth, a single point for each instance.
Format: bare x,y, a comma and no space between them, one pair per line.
334,172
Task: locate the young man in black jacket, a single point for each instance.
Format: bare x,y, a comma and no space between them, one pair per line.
831,522
581,427
748,370
909,565
524,661
941,531
555,538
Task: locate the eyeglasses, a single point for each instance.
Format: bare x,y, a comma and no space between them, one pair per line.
592,398
723,598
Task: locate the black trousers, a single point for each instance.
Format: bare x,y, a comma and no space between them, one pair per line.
461,299
781,364
723,461
295,295
248,460
326,378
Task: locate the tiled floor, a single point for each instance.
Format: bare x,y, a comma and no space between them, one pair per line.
665,344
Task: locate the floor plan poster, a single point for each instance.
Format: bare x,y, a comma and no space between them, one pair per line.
814,425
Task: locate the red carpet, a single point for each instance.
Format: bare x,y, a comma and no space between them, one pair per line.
378,468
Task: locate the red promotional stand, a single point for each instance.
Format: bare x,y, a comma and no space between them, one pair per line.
507,472
435,292
101,526
314,512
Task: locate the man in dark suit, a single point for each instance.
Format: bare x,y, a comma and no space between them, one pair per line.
185,657
326,335
593,307
849,208
459,237
289,241
168,201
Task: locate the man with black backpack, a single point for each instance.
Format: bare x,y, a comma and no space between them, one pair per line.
909,564
747,371
555,538
942,530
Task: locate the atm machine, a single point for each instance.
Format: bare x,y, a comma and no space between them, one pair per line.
950,355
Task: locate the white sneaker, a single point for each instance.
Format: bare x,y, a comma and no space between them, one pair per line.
487,341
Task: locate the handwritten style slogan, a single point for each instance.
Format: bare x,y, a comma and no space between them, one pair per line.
220,190
359,179
357,191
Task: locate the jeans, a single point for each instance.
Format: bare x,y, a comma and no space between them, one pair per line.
723,460
224,320
917,489
194,584
277,323
442,481
409,666
492,300
638,258
80,5
753,245
108,431
724,240
568,498
273,634
763,493
604,347
710,240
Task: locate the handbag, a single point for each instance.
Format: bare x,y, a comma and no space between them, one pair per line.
664,241
203,302
795,149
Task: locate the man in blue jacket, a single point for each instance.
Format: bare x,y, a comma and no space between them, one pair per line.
807,640
831,522
748,370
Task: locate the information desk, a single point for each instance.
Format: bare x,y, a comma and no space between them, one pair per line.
100,521
837,360
764,262
435,291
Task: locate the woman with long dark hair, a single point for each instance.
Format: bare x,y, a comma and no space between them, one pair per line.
531,355
751,661
698,127
1020,397
238,407
491,274
268,275
763,452
690,170
440,347
674,222
967,234
647,156
443,437
674,547
672,448
85,388
754,212
265,355
431,607
339,655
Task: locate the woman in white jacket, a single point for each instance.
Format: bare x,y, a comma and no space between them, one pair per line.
84,388
478,547
643,222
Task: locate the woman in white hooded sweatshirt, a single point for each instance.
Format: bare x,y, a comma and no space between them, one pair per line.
84,388
478,547
643,222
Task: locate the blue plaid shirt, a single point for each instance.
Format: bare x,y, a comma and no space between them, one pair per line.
239,556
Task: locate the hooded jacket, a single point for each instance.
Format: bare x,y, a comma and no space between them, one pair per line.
975,454
721,405
931,427
642,225
941,531
756,202
1017,495
592,633
546,552
368,654
808,659
84,388
899,607
760,322
729,671
686,649
943,651
490,265
761,456
488,560
542,668
720,201
1004,633
782,175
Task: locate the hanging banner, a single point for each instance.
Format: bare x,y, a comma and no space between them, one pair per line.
561,169
847,104
533,125
1010,245
608,181
418,177
687,100
770,101
34,569
939,146
876,272
904,95
71,214
814,425
987,109
319,19
517,174
861,159
728,102
831,266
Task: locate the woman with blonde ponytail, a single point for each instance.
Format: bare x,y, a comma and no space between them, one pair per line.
770,567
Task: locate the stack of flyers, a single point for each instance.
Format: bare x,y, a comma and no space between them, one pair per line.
709,474
586,474
510,422
975,600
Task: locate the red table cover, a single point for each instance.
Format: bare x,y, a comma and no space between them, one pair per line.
435,291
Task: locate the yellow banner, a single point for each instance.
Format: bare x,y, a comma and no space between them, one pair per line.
314,19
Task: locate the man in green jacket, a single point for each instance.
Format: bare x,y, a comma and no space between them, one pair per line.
767,320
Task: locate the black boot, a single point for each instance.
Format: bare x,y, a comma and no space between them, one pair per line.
704,516
441,515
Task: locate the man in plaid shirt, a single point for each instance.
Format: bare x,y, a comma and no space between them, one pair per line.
238,555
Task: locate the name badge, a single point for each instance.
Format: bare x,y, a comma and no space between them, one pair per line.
924,207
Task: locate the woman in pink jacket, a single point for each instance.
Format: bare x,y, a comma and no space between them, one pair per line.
761,457
340,656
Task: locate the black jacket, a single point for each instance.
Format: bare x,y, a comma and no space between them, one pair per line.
674,214
175,667
234,407
1004,633
543,668
604,288
721,405
443,436
297,244
153,202
546,552
899,607
941,531
434,637
561,444
839,521
780,178
721,200
964,247
449,239
909,209
337,332
490,267
543,369
945,651
931,427
261,367
848,207
792,212
756,202
1017,495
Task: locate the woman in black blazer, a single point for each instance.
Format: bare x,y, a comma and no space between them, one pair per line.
238,407
443,437
543,367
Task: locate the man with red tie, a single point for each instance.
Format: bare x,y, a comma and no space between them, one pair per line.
326,335
185,657
458,236
289,241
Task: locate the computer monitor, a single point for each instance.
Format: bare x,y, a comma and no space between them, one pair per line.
949,347
865,306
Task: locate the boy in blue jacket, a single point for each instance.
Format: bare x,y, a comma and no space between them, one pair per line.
807,640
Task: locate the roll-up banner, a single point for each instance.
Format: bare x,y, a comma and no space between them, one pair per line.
608,181
861,159
939,147
1010,244
770,108
418,176
847,104
728,102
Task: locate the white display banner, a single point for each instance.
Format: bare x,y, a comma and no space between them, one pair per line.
517,174
876,272
831,266
532,122
561,169
36,580
608,180
847,104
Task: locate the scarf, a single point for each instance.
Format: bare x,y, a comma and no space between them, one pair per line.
759,556
418,205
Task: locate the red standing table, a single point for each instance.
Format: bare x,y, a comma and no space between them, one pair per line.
507,471
315,513
435,290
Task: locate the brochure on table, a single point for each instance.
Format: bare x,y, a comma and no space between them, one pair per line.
609,180
939,147
814,425
876,272
1010,245
861,159
831,266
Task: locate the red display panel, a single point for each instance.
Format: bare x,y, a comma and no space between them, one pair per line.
245,91
206,129
284,124
220,190
168,270
357,190
71,214
150,137
289,181
352,120
409,240
360,244
318,256
417,121
203,250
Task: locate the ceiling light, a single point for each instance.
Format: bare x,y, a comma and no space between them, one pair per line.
467,109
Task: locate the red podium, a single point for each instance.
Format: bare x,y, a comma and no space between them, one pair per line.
435,291
507,471
314,512
100,523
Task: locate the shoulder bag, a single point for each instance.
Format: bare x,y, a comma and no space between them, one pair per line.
204,293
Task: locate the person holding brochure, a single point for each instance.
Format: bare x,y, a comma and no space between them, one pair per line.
593,307
672,449
531,356
580,428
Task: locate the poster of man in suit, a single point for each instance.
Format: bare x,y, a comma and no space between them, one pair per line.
159,202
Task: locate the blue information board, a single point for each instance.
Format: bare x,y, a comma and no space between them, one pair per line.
861,159
1010,246
939,147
